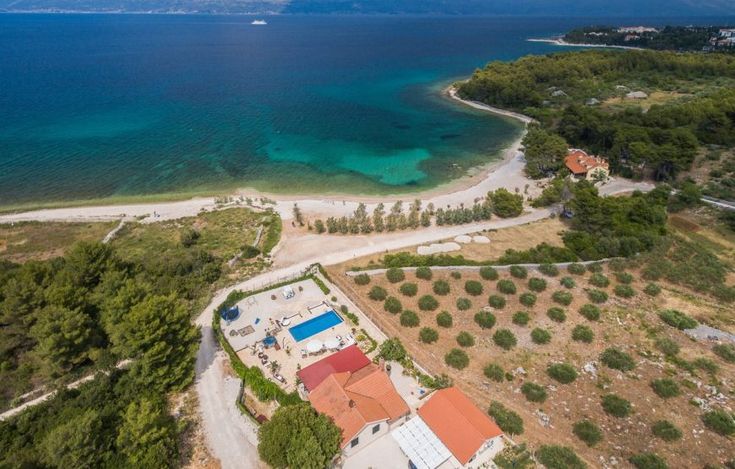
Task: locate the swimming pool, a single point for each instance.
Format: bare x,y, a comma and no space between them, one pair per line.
315,325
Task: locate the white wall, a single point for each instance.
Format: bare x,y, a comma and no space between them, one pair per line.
366,437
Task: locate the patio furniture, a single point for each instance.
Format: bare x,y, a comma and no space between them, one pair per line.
303,353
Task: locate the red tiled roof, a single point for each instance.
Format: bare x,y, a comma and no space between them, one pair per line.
348,359
458,423
354,400
579,162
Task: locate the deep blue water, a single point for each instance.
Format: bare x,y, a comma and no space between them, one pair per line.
115,105
314,325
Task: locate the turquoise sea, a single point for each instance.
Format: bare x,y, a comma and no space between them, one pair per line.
95,106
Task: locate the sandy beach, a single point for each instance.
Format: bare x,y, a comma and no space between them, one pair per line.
563,43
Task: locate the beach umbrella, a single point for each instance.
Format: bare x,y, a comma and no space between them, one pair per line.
331,343
314,346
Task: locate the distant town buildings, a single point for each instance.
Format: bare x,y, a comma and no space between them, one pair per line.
637,30
725,38
584,166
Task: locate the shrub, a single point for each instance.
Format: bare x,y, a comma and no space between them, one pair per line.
549,270
393,305
409,289
362,279
395,275
534,392
648,461
665,388
409,319
540,336
559,457
494,372
504,339
428,303
624,278
465,339
725,351
616,405
568,282
473,287
624,291
667,346
599,280
518,271
562,297
484,319
505,204
488,273
617,359
677,319
441,287
455,275
496,301
424,273
457,358
377,293
590,312
428,335
652,289
508,421
595,267
392,350
444,319
507,286
463,304
719,421
562,372
597,296
556,314
521,318
583,334
665,430
587,431
536,284
527,299
706,364
577,269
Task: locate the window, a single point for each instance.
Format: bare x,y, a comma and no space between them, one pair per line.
354,442
376,429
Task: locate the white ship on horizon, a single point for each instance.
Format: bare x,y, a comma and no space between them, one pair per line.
259,22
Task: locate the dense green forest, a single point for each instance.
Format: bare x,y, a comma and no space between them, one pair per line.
581,97
677,38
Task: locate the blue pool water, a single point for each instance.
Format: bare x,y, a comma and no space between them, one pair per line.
314,325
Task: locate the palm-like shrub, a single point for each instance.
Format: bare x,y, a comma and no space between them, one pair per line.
428,303
424,273
473,287
677,319
562,372
441,287
457,359
556,314
494,372
665,388
428,335
504,339
507,286
393,305
665,430
409,319
409,289
597,296
485,319
534,392
617,359
540,336
521,318
568,282
395,275
465,339
527,299
719,421
616,405
549,270
444,319
377,293
488,273
598,280
590,312
496,301
362,279
562,297
587,431
463,304
536,284
518,271
583,334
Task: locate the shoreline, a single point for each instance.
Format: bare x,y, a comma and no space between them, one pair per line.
562,43
507,171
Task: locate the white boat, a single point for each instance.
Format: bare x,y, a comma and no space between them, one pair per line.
259,22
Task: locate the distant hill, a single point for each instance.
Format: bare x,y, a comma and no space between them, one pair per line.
578,8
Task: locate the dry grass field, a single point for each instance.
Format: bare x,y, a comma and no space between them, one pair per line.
22,242
630,325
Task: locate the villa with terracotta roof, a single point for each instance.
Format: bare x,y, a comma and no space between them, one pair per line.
449,432
363,403
584,166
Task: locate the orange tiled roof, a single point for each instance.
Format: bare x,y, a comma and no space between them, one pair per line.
458,423
579,162
355,399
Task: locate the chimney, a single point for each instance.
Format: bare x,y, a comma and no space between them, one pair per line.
352,403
